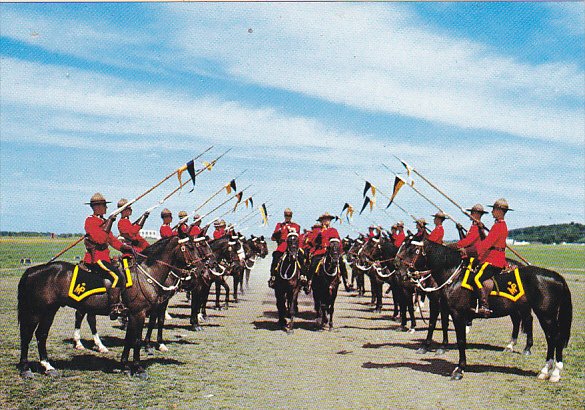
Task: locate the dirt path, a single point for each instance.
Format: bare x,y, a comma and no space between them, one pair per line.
242,360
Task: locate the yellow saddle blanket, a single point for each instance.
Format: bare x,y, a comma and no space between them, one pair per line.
506,284
85,283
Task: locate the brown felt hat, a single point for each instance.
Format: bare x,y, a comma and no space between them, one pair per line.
477,208
501,204
288,211
165,212
97,199
440,214
326,215
421,221
183,214
122,202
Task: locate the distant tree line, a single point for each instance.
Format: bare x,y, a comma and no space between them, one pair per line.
46,234
570,233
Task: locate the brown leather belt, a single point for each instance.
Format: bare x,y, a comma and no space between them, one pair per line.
497,249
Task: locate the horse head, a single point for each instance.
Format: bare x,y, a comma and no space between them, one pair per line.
292,245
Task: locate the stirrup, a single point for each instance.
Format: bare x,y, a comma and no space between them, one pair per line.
484,312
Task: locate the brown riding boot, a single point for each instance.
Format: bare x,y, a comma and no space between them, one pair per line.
117,309
484,307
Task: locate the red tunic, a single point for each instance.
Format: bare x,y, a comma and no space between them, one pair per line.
219,233
326,235
96,234
493,248
195,231
309,241
437,234
166,231
398,238
472,238
131,232
284,228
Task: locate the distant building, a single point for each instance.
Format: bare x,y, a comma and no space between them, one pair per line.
515,242
150,233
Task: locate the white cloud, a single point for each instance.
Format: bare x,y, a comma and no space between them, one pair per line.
570,16
381,58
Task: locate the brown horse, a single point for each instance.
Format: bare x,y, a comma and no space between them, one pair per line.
43,289
546,293
287,281
326,279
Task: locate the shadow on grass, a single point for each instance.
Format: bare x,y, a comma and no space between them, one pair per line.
92,363
443,367
272,325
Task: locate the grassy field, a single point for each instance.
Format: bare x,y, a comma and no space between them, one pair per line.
242,360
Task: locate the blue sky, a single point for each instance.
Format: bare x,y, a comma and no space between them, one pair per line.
487,100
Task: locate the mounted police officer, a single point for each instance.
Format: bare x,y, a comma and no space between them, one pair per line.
183,228
491,253
98,236
438,232
322,243
165,229
421,229
398,235
468,243
130,232
280,235
219,231
195,229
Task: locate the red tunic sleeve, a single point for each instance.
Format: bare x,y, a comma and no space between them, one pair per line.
471,238
437,234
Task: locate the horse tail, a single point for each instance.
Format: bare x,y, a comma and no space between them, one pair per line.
22,308
565,316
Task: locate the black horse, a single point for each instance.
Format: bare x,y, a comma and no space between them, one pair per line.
287,283
546,293
255,248
43,289
326,279
230,264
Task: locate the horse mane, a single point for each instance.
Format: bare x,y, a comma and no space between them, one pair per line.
439,255
153,251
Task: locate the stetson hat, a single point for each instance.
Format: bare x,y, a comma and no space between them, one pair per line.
400,223
183,214
501,204
477,208
421,221
288,211
440,214
326,215
165,212
97,199
372,227
197,218
122,202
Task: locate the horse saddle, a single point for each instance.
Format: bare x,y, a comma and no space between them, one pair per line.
507,284
86,282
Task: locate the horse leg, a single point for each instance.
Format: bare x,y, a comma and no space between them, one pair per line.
77,331
444,326
196,300
280,305
28,324
460,323
161,324
138,324
411,312
204,299
248,278
217,294
92,322
433,316
527,327
550,332
294,294
41,334
377,292
516,318
332,308
236,277
152,319
395,298
227,293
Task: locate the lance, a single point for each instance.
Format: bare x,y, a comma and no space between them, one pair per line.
129,203
250,215
236,209
173,192
216,193
185,219
465,212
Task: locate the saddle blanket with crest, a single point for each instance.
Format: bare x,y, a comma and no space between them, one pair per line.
506,284
85,283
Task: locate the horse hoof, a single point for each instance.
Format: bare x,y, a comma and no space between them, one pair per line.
79,347
162,348
52,373
457,374
527,352
411,330
402,329
440,351
141,374
101,349
150,351
422,350
27,374
196,328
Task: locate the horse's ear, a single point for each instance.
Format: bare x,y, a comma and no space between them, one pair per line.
262,237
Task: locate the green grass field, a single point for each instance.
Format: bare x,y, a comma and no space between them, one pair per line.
241,359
